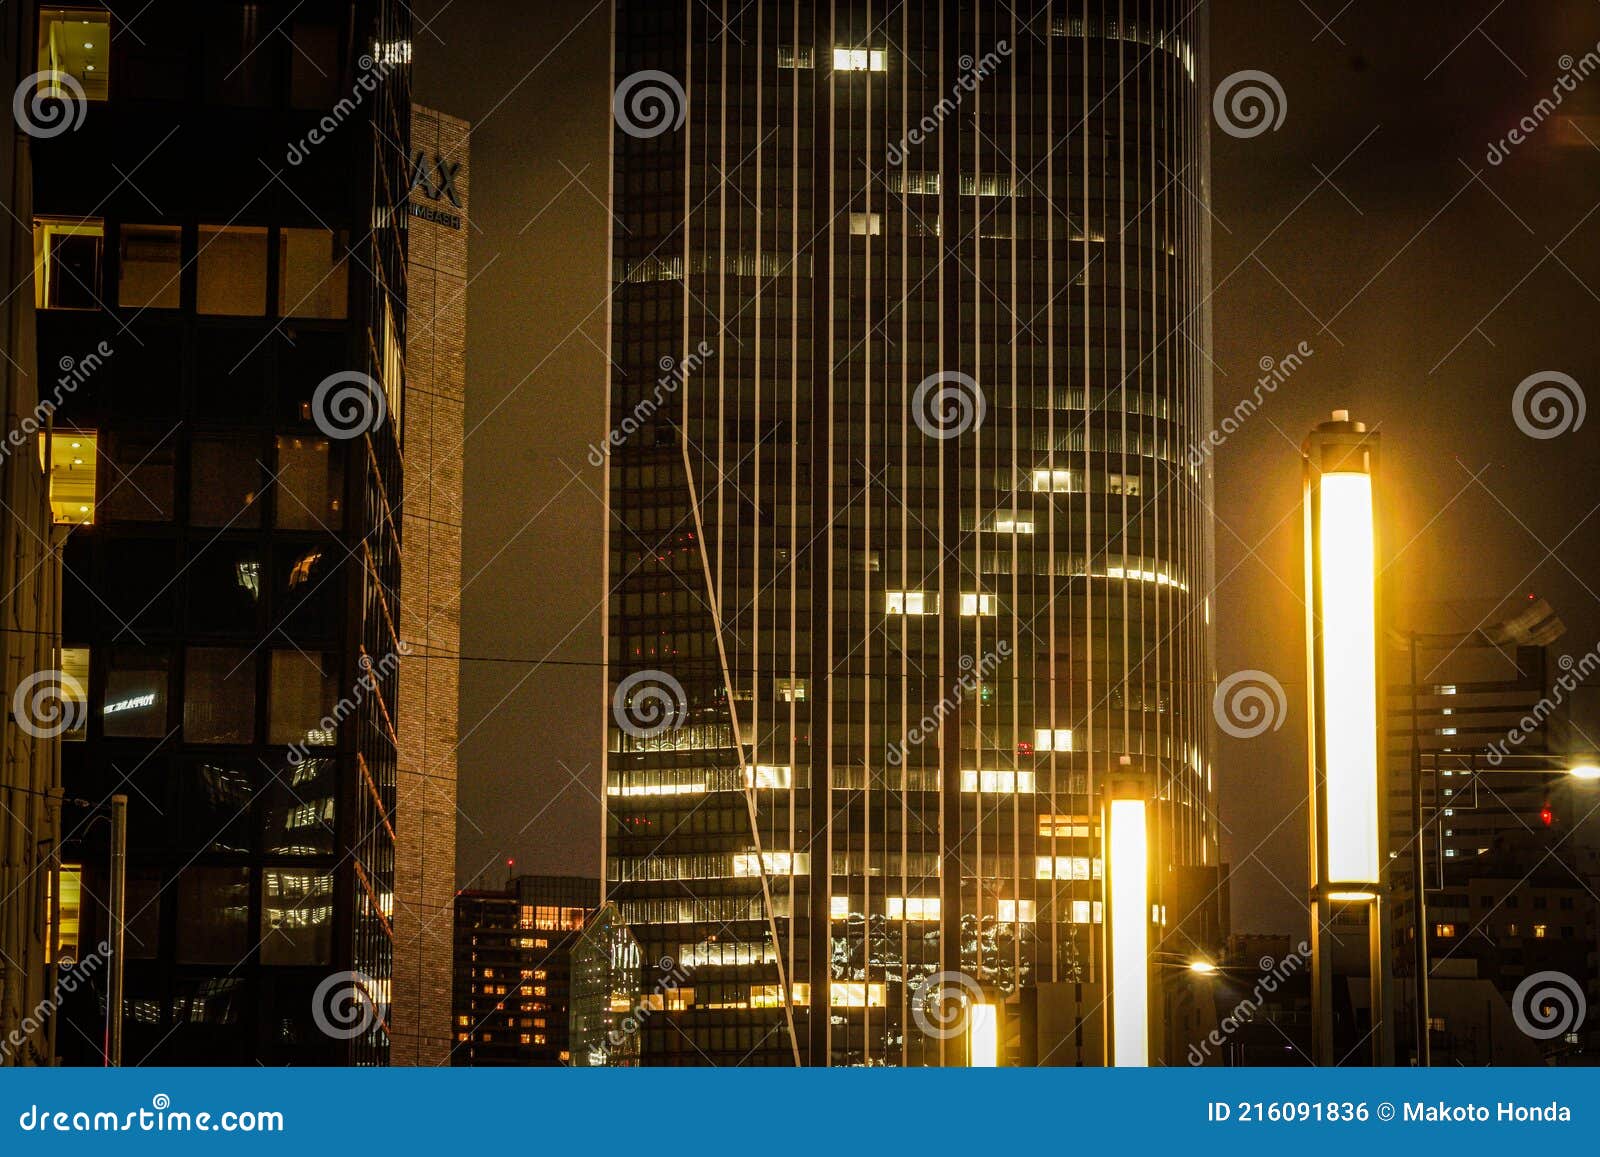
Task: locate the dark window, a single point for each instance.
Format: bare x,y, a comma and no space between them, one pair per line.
213,916
136,481
139,588
211,1000
216,807
219,695
224,582
149,268
302,703
310,484
314,65
231,270
224,483
239,53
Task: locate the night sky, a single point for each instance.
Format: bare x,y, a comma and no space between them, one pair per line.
1370,226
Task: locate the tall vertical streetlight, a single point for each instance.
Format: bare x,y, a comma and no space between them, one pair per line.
1348,795
1126,939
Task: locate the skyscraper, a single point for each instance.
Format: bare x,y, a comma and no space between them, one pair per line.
216,218
907,546
430,614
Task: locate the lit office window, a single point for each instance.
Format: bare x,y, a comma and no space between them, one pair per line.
838,907
859,60
1059,739
764,775
776,863
1085,912
913,908
866,224
1066,868
790,690
66,262
231,270
312,273
1053,482
149,266
1063,827
1444,931
1007,524
976,604
1015,911
77,42
74,664
999,782
855,994
911,603
67,927
72,459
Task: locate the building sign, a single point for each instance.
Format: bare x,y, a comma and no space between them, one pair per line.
438,183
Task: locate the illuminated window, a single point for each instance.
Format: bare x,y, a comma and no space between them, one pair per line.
526,1038
312,273
1066,868
859,60
792,57
679,999
1085,912
838,907
1000,782
309,484
1444,931
1540,931
1015,911
1053,482
771,995
790,690
1059,739
855,994
1009,525
66,938
913,908
763,775
1127,484
976,604
1063,827
1511,929
463,1021
866,224
776,863
487,974
911,603
66,262
149,266
73,458
77,42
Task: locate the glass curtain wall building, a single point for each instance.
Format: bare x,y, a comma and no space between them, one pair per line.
216,241
912,299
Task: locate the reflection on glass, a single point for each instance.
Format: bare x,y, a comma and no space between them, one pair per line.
219,695
300,810
213,915
296,916
135,701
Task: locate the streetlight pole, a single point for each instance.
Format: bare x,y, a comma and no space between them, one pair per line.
1348,797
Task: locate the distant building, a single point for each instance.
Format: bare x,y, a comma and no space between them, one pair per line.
607,995
430,613
513,952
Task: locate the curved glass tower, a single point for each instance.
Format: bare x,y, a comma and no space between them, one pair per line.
907,553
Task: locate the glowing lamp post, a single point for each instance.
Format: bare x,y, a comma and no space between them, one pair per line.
1348,793
1127,919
